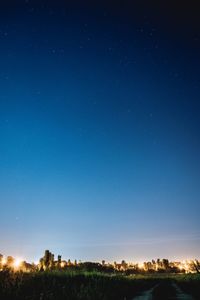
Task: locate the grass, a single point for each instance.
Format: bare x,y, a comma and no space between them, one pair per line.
70,285
82,285
190,283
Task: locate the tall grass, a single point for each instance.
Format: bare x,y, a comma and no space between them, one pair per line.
71,285
93,285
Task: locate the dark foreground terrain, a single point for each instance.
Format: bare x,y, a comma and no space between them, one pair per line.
97,286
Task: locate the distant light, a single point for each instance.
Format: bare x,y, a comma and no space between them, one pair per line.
62,264
4,261
141,265
17,263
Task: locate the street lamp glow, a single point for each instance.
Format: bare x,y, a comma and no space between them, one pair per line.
4,261
17,263
140,265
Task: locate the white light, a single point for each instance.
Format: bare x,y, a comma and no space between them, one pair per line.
17,263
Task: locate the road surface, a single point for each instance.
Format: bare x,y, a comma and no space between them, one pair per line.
180,295
147,295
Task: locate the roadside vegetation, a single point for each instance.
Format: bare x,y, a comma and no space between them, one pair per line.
82,285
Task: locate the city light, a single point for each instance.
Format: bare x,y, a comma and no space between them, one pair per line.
49,262
140,265
181,267
17,263
4,261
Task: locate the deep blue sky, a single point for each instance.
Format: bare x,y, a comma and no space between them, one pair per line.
99,129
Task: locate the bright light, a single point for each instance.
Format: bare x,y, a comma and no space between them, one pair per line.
4,261
180,267
141,265
17,263
62,264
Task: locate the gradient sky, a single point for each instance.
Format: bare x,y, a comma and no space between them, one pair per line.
99,129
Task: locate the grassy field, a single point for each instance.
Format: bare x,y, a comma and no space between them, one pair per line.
56,285
189,283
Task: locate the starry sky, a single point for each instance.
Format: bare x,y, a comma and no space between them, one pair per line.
99,129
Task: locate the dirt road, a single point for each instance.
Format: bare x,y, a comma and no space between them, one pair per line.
180,295
147,295
177,293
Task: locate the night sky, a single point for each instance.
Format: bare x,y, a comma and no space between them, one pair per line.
99,129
